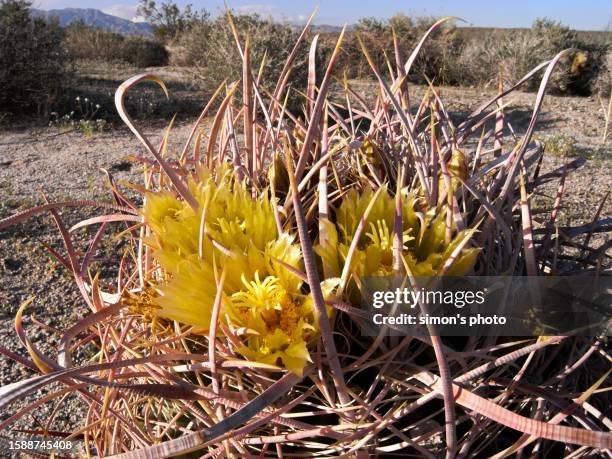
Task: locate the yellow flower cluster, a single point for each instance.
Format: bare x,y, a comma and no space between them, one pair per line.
262,294
425,247
235,232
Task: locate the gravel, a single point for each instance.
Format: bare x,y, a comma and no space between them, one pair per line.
64,167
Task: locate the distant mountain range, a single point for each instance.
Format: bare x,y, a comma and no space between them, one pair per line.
325,28
96,18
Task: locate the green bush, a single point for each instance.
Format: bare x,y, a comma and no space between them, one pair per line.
90,43
32,59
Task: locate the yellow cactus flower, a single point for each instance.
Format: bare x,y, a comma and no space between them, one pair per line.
424,246
238,233
279,324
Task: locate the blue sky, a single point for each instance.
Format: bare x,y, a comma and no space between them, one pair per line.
585,14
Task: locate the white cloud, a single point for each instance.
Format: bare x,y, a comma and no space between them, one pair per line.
264,9
269,10
297,18
123,11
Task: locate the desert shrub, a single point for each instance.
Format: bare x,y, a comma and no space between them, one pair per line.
463,57
438,60
169,21
582,65
209,46
142,52
435,63
84,42
32,59
374,35
91,43
518,51
515,52
603,81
